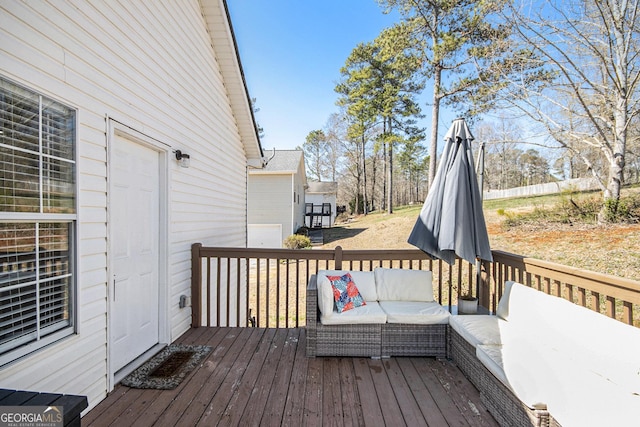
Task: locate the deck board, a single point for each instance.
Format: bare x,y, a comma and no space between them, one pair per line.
351,399
294,406
428,406
386,397
332,402
403,395
258,376
371,410
217,391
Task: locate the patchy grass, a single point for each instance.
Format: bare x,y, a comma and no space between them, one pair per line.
575,210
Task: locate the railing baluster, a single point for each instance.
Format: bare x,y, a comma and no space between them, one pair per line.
471,280
238,281
450,283
268,293
595,301
610,307
208,291
439,285
627,312
459,279
218,272
258,305
247,285
582,297
286,305
228,314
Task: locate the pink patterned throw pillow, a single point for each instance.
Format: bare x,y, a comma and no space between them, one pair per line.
345,293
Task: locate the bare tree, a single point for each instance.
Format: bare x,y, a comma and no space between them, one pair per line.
501,139
335,132
315,154
593,48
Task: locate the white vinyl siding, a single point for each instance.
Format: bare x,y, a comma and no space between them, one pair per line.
299,207
150,66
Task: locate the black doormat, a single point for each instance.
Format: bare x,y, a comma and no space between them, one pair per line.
167,369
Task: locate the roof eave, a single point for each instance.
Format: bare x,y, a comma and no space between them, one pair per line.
218,20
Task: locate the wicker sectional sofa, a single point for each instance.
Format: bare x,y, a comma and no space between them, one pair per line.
543,360
400,317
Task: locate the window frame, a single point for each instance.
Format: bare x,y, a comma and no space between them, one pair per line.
37,218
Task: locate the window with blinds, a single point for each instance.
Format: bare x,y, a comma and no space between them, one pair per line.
37,220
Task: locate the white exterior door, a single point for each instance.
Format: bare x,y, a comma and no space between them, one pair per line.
135,229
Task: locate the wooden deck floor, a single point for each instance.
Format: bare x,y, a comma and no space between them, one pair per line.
263,377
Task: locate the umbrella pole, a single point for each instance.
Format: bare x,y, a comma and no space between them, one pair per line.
480,169
480,174
478,278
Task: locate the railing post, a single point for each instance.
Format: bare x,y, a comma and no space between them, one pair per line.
484,294
196,286
338,257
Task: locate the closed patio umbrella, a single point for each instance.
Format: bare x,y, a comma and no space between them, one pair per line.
451,221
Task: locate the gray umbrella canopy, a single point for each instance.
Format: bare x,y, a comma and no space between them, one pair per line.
451,221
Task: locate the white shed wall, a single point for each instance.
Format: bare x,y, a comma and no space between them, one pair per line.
150,66
271,201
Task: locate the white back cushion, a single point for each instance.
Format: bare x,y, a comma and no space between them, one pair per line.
503,305
364,281
398,284
522,304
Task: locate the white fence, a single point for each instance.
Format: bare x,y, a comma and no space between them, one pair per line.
578,184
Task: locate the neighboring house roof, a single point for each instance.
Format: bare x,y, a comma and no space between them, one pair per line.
216,15
284,161
322,187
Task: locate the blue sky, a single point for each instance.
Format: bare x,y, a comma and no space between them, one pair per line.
292,52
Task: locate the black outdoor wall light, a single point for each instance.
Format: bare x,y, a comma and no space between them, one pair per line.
183,158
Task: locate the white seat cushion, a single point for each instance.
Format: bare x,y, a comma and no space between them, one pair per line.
414,312
478,329
370,313
398,284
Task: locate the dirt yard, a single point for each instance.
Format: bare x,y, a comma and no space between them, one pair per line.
610,249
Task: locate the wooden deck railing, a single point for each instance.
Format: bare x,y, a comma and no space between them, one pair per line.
612,296
266,287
